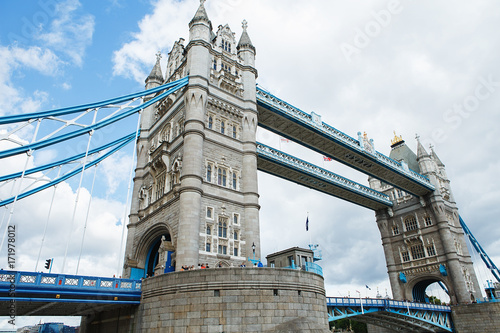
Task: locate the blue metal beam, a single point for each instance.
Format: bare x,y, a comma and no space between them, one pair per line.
360,194
96,126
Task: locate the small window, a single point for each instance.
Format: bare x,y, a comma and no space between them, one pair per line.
219,176
235,252
236,218
215,64
209,230
417,251
235,235
210,122
411,223
209,173
275,292
428,221
395,230
222,127
210,213
234,132
405,256
431,251
208,247
234,180
224,177
223,230
222,249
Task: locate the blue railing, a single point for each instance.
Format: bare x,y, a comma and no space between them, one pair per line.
326,175
34,286
385,303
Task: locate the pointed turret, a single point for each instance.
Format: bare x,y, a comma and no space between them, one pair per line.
402,153
436,158
245,42
200,26
156,76
421,152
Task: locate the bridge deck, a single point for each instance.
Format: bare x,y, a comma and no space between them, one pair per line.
31,293
308,130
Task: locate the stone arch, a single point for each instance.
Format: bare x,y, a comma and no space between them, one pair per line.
418,287
146,252
222,263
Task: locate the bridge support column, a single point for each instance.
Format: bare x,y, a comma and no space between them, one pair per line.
382,222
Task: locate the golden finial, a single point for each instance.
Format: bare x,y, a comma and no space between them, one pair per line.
397,139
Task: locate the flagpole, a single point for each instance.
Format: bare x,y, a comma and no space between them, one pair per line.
310,241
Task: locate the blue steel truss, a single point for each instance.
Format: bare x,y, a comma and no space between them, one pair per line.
427,317
277,105
277,156
46,287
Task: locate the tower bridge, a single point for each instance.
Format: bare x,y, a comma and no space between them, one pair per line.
195,200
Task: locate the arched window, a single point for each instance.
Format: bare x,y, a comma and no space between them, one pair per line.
235,218
235,251
234,132
223,229
410,223
208,248
234,180
210,122
222,127
219,176
224,177
209,173
215,64
209,230
235,236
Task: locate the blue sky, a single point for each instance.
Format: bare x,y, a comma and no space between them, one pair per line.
358,67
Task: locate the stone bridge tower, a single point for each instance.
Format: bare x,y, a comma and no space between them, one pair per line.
195,198
422,237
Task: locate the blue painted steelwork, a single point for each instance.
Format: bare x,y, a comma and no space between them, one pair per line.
66,176
51,141
277,105
45,287
416,314
267,152
482,253
125,140
75,109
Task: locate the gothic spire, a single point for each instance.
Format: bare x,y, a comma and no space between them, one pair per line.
201,14
245,39
436,158
421,152
156,73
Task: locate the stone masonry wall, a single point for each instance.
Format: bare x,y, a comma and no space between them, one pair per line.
482,317
231,300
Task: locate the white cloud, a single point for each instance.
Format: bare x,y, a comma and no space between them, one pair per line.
69,34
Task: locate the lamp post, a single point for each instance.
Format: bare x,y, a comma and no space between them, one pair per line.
254,261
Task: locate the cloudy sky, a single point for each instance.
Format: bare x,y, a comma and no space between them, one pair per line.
421,67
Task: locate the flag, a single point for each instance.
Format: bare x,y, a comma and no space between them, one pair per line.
328,159
307,224
368,287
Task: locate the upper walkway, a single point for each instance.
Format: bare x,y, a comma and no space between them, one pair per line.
291,168
307,129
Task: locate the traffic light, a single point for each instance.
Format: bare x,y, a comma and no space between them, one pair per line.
47,263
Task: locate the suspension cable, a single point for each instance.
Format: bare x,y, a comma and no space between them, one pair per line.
120,256
86,218
47,221
78,194
29,153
